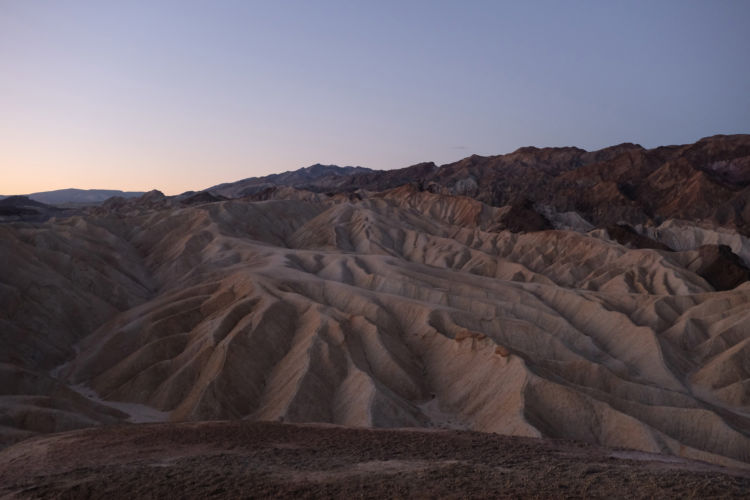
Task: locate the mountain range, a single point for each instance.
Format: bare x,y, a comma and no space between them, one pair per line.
600,297
708,180
73,196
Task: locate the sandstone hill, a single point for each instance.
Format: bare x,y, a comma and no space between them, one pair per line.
510,307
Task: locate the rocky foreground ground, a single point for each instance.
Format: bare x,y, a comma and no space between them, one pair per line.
262,459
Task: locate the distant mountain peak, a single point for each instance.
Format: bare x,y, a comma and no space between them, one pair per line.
305,177
320,170
79,196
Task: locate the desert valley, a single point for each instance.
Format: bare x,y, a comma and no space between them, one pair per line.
599,298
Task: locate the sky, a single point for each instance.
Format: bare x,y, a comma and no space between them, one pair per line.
183,95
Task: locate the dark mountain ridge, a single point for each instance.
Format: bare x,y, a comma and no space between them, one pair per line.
315,177
72,196
625,183
14,208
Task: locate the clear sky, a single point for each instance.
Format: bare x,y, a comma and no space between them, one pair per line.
179,95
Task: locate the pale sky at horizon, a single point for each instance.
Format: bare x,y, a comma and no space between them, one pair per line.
183,95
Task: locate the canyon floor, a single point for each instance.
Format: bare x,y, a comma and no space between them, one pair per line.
245,459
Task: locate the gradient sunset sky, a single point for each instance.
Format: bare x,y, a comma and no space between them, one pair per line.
182,95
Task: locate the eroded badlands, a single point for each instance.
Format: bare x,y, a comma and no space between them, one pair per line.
402,308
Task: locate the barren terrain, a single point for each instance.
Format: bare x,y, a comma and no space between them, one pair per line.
242,459
417,305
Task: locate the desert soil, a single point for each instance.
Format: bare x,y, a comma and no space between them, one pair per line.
263,459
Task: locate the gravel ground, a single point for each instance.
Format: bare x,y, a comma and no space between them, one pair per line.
247,459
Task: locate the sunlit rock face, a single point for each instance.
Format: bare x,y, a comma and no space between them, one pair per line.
403,307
